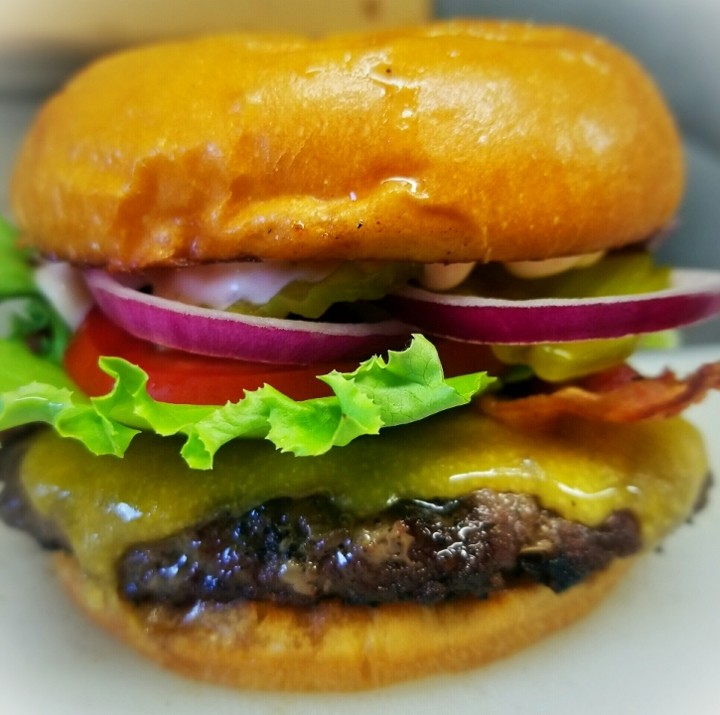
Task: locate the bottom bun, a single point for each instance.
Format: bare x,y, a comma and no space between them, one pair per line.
335,647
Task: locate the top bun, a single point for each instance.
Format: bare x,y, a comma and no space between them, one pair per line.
451,142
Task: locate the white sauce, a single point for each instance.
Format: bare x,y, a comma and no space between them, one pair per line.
220,285
64,287
441,276
552,266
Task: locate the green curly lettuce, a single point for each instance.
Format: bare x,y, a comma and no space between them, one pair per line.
407,387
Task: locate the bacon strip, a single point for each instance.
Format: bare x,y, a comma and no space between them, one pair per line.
630,399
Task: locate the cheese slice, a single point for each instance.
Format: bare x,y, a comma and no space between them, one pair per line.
583,470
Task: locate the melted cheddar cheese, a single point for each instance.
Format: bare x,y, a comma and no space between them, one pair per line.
582,470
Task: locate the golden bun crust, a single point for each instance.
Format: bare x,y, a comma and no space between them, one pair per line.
450,142
262,646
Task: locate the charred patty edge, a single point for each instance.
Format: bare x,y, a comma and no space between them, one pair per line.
304,551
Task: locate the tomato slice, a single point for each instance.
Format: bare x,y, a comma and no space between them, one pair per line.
185,378
179,377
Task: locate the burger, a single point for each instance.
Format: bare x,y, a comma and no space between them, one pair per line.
319,376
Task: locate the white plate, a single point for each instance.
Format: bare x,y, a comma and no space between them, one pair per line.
653,647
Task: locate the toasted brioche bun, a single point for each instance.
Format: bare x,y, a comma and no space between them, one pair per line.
335,647
451,142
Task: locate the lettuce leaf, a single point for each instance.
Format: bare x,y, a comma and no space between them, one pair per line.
15,274
406,387
26,313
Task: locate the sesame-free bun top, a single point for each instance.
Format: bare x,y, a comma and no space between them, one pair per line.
450,142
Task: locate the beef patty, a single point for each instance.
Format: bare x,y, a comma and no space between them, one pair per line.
301,551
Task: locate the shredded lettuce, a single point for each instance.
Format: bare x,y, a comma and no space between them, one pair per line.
407,387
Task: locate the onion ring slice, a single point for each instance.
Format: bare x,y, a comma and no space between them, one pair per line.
223,334
694,296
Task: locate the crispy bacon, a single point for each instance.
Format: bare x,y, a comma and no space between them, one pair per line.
617,397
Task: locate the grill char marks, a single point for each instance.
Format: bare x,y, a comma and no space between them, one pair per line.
302,551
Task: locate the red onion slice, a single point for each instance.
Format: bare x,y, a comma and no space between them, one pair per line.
222,334
694,296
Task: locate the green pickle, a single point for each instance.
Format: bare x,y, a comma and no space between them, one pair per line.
558,362
583,471
347,283
624,273
616,274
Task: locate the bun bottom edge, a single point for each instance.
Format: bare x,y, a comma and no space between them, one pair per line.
335,647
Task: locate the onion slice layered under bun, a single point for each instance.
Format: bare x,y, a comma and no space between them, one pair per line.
335,647
453,142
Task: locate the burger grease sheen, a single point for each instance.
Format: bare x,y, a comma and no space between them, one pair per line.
243,522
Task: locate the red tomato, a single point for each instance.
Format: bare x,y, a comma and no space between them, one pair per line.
180,377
